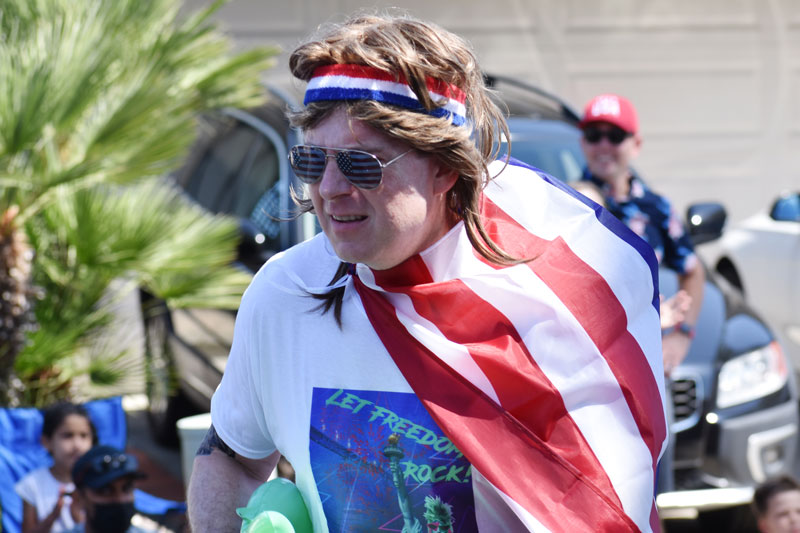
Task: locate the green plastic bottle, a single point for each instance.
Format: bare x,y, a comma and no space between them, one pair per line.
276,507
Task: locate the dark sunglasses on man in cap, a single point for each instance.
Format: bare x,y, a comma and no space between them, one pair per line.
615,136
362,169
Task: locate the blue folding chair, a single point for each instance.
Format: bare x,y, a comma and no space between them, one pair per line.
21,452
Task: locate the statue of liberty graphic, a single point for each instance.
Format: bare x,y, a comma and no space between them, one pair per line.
438,514
394,453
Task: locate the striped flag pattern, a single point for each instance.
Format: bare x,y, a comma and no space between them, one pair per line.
362,168
361,82
308,164
547,374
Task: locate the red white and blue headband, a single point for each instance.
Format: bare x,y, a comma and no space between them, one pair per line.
360,82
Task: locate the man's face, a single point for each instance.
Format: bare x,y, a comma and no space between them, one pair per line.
385,226
605,159
783,514
118,491
108,508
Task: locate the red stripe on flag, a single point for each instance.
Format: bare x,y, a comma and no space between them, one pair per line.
366,72
495,345
512,458
583,291
655,522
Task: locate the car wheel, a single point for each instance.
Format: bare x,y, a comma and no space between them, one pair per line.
166,403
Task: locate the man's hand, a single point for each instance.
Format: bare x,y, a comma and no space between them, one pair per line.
675,346
674,308
77,512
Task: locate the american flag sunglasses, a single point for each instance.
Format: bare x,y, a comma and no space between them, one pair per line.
362,169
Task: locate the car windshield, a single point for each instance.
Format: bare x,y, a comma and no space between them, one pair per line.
562,161
549,146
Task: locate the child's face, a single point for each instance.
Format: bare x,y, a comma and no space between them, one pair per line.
783,513
69,441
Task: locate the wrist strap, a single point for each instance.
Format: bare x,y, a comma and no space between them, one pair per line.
682,327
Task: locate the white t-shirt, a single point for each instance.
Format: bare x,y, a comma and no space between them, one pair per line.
367,455
40,489
336,406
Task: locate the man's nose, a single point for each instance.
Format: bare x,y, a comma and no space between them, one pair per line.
606,142
332,182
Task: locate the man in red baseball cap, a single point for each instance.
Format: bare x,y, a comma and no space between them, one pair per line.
610,141
611,109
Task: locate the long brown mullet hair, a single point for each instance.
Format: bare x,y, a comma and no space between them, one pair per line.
416,50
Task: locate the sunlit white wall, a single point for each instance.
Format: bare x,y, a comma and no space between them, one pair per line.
716,82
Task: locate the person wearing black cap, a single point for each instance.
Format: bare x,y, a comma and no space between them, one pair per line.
104,480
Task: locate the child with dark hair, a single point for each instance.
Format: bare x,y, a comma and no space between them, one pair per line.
776,504
67,434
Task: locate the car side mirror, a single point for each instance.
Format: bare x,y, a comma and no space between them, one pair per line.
786,208
705,221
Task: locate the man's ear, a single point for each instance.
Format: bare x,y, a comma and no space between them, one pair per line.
637,140
444,178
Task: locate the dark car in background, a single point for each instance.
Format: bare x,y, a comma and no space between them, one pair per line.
238,166
729,433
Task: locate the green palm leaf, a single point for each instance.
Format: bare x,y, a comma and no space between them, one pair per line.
99,102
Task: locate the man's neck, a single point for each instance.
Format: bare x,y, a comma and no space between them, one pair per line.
619,186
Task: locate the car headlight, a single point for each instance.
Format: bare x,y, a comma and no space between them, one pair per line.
752,375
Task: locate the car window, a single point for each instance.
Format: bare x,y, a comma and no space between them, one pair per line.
238,174
560,159
217,169
787,208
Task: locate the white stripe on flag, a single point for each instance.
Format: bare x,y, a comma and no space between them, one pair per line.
548,213
569,359
348,82
566,355
496,512
588,387
453,354
604,422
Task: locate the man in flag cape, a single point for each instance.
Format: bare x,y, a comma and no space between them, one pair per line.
469,344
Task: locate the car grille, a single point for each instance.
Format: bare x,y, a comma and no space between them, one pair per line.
687,400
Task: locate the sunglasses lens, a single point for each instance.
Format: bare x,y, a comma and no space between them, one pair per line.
592,135
307,162
362,169
615,136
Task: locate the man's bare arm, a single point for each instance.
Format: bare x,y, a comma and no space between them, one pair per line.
222,481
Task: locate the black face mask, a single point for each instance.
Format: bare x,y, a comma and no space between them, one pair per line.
111,517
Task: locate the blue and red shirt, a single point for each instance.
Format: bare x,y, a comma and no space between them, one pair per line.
652,217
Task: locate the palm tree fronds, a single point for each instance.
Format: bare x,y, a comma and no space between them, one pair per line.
100,100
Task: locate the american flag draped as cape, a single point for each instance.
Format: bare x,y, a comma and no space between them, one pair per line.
546,375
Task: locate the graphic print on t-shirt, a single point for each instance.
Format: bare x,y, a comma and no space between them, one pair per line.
382,464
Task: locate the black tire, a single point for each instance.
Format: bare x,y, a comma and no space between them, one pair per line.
166,402
738,519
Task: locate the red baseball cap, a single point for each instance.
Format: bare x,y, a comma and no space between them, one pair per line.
613,109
